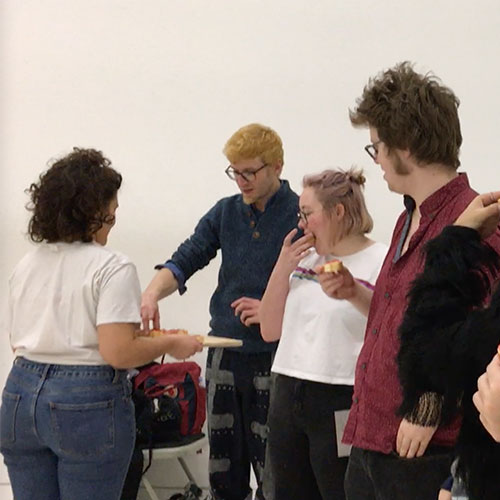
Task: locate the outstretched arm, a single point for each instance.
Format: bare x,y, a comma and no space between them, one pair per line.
162,285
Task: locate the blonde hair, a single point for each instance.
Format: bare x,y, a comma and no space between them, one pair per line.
255,141
345,187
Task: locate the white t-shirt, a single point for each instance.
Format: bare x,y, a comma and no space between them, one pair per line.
60,293
322,337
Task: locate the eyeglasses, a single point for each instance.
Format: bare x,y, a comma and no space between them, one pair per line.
372,149
302,216
247,175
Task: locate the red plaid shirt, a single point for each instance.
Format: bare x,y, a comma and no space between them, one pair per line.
373,423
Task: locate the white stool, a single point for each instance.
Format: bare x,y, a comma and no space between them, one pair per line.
176,452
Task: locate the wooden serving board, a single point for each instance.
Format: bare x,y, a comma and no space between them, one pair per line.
212,341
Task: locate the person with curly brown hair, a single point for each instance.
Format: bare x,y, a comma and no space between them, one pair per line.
415,137
67,426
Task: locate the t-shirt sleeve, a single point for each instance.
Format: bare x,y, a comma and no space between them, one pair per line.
378,261
119,296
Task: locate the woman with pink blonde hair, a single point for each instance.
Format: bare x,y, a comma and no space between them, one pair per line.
320,337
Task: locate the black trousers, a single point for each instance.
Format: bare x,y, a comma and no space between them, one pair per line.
376,476
238,402
302,441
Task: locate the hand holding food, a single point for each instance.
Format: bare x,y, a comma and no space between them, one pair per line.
333,266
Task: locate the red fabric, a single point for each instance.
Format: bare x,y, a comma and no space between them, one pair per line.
181,382
373,423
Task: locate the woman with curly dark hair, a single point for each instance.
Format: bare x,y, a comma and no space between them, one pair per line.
67,419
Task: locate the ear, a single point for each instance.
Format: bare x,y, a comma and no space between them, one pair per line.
404,154
339,210
277,168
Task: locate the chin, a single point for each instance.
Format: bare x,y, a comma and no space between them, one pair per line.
247,200
319,250
393,189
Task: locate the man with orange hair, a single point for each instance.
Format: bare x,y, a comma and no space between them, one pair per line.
249,229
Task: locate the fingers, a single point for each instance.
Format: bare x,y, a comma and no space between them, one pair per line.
245,304
241,305
483,387
478,401
411,448
331,282
156,321
150,313
399,441
250,317
289,237
412,439
491,209
489,198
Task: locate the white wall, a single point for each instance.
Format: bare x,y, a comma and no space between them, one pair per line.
159,85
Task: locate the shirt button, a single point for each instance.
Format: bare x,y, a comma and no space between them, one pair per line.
355,400
256,235
387,295
252,223
363,366
375,331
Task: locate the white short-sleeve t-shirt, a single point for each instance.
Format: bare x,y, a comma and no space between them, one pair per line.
60,292
322,337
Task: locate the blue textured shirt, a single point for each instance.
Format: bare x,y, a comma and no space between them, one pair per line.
250,244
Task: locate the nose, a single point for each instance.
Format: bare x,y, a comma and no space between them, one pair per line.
302,225
241,181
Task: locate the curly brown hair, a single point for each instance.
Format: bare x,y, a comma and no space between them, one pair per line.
414,112
70,200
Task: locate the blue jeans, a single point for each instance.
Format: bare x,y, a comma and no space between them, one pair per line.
66,432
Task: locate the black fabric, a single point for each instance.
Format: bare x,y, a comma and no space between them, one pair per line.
375,476
134,475
302,439
448,337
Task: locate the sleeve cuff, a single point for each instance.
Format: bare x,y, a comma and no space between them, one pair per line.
178,275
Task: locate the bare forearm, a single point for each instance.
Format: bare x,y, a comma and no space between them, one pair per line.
140,350
272,306
162,285
362,299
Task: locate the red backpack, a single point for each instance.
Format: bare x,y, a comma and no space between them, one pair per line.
181,383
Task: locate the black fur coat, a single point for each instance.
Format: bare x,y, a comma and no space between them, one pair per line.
448,337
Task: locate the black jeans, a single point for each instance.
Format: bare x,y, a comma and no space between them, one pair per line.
376,476
302,440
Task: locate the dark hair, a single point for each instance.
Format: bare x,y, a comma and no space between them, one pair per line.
414,112
70,200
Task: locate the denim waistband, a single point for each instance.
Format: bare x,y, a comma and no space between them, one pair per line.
103,372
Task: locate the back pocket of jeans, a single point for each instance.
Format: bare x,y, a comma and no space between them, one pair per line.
8,414
84,430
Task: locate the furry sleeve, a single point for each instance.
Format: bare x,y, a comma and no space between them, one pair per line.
439,333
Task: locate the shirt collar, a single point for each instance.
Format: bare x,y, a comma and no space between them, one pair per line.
271,200
437,200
